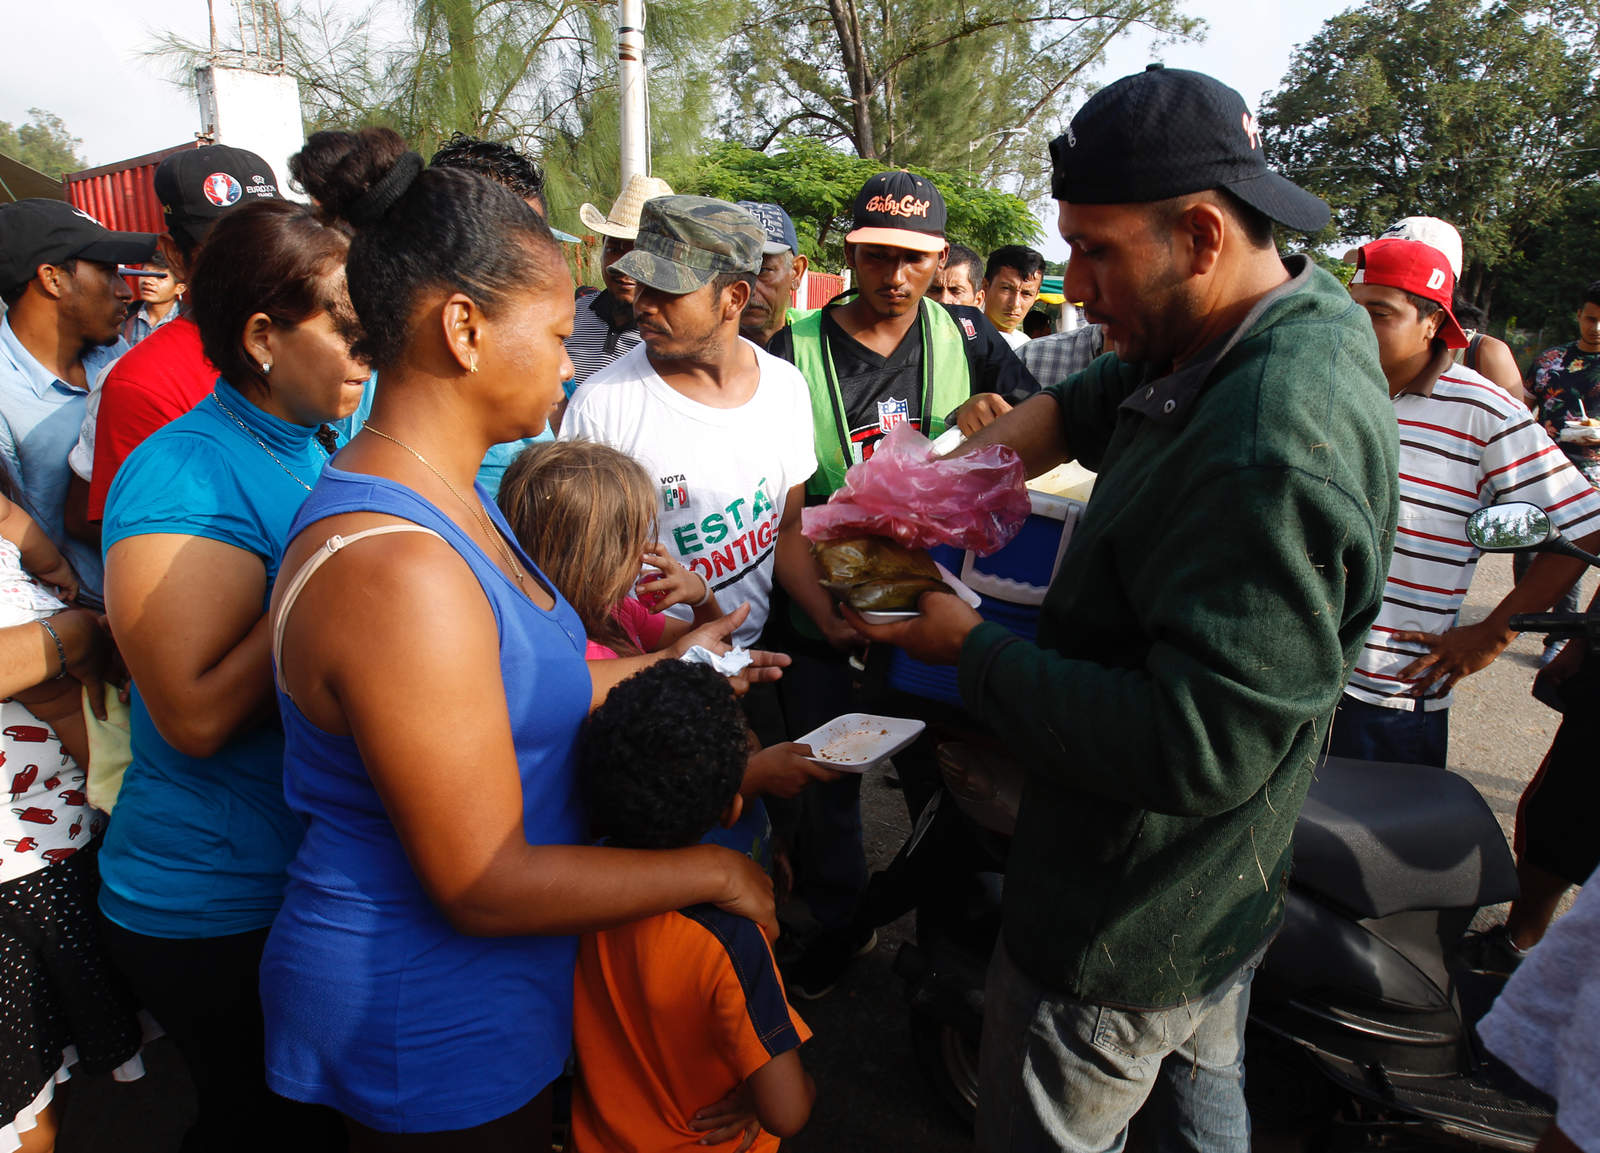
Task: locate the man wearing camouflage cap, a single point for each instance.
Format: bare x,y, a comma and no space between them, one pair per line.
723,429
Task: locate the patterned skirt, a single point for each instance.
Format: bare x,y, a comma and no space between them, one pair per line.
61,1000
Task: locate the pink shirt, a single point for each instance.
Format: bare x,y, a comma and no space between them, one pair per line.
644,628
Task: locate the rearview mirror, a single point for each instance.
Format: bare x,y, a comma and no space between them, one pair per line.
1510,527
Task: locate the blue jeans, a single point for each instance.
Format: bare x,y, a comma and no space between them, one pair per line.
1060,1074
1367,732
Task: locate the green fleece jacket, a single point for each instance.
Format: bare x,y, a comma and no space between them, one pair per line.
1192,648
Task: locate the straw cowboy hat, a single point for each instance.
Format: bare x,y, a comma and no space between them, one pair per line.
623,221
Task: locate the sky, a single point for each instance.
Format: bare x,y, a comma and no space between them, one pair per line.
86,61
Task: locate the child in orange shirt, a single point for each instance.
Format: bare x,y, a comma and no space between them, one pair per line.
679,1011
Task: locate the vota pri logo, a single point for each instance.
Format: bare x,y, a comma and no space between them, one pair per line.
222,189
674,492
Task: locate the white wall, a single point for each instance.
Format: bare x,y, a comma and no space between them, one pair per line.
253,110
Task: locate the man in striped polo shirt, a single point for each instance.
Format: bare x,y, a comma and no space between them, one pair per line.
1463,444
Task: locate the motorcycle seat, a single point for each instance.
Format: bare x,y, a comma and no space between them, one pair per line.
1382,838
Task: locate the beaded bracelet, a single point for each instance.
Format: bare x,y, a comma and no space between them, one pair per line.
61,649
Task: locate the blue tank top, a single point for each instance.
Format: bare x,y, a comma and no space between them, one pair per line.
374,1004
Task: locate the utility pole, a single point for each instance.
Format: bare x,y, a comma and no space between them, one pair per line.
634,86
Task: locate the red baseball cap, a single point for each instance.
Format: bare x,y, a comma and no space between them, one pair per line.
1417,268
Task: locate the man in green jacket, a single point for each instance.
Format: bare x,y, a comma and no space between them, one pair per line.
1193,646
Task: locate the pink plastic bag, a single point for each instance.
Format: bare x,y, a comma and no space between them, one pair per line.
906,492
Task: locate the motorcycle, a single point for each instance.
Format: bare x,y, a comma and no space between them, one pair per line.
1362,1014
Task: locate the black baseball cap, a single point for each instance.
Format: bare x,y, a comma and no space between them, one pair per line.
899,210
1168,132
37,231
198,185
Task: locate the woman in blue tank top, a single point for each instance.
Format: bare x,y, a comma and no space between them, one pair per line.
432,682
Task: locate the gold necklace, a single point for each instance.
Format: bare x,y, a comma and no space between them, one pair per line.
233,416
472,506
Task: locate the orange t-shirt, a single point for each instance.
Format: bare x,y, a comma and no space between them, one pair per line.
670,1014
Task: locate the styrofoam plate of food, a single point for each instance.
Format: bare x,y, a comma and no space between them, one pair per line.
949,578
855,742
1581,433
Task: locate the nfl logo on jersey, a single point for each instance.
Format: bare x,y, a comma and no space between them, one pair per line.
892,414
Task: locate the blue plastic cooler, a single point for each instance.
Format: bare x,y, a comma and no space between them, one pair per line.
1012,583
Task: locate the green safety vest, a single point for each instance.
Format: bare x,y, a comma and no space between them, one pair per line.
946,385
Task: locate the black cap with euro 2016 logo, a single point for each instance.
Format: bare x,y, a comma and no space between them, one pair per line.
198,185
1168,132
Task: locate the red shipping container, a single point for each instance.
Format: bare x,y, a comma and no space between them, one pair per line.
122,196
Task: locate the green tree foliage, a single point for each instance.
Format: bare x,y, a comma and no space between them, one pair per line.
43,144
1541,289
1484,114
968,91
977,86
817,183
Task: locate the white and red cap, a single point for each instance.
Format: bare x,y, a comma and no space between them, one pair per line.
1417,268
1432,231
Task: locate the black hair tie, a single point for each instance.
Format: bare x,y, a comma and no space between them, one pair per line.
375,203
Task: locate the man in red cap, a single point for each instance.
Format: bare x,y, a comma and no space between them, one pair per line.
1463,443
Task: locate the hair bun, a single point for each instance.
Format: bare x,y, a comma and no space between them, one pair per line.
381,197
340,169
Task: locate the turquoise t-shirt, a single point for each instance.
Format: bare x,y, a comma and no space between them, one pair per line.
500,456
198,846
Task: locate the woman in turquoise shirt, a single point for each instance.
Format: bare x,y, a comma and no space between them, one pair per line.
194,861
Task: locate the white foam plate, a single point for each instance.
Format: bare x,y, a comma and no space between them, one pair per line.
949,578
855,742
1581,434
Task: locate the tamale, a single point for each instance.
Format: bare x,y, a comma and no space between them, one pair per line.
872,574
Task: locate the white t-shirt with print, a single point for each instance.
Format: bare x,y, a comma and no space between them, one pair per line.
721,475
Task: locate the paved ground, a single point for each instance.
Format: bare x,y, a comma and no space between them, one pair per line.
871,1094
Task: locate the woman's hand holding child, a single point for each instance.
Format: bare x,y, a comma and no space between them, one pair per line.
59,575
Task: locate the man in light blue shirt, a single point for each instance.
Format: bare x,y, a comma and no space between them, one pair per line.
65,306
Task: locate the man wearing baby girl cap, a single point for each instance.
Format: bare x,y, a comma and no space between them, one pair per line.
1463,443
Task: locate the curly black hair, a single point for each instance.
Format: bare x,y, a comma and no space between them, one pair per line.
663,756
501,163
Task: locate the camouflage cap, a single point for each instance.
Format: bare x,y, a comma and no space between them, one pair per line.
686,242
